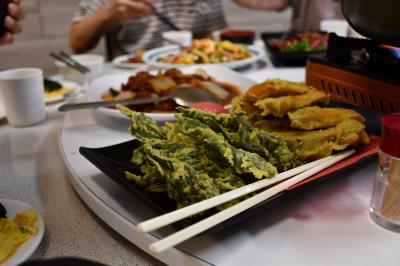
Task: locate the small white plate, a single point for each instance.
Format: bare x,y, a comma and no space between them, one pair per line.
120,61
74,86
153,56
25,250
102,84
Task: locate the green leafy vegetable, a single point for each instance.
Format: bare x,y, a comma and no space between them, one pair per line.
113,92
203,154
51,85
3,211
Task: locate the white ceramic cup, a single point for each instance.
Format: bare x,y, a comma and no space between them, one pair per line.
22,91
340,27
182,37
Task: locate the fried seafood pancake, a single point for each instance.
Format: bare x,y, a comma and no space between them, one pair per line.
280,106
313,145
316,117
273,124
274,88
278,97
239,105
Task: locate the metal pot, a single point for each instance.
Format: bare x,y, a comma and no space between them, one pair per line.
375,19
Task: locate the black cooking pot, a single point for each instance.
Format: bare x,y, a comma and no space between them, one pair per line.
375,19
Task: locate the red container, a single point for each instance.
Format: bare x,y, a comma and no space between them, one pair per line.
238,36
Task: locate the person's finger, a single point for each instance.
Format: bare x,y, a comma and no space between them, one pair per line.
15,11
6,38
16,1
12,25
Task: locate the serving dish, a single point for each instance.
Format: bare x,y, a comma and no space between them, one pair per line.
114,160
152,57
282,59
121,62
25,250
238,36
102,84
334,209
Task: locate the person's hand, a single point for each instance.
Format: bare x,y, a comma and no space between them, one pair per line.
124,10
11,21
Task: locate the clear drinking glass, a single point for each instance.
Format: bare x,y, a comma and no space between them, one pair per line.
385,202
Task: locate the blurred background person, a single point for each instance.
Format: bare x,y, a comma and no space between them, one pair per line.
306,15
131,24
11,22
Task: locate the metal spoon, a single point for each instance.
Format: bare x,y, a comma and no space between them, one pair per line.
182,96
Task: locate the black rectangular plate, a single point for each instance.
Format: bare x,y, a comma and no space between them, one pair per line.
114,160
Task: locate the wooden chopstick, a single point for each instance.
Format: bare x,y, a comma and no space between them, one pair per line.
174,216
215,219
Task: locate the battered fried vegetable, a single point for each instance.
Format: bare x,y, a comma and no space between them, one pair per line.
275,97
203,154
315,117
238,131
313,145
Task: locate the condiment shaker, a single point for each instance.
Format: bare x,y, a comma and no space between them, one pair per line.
385,202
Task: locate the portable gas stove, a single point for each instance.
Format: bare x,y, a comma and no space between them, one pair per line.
359,72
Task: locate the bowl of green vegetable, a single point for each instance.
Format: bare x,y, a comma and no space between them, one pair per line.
295,48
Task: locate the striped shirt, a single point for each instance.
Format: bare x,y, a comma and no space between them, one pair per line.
308,13
197,16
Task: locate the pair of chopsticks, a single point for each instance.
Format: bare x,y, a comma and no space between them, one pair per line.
163,18
68,60
298,174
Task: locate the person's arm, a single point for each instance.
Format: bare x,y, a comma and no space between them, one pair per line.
84,35
273,5
11,22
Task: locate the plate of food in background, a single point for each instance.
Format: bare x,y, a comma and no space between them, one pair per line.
130,61
222,82
202,52
294,49
25,230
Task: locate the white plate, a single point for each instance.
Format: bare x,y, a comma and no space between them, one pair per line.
119,61
67,84
25,250
153,56
102,84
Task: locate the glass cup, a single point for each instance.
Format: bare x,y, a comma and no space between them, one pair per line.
385,202
22,91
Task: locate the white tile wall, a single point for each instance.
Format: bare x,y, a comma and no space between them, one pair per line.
47,24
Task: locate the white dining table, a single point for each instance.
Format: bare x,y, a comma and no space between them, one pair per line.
41,165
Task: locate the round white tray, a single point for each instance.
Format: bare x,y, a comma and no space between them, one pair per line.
329,225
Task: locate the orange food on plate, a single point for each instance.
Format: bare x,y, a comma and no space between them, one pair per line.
147,85
136,57
208,51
